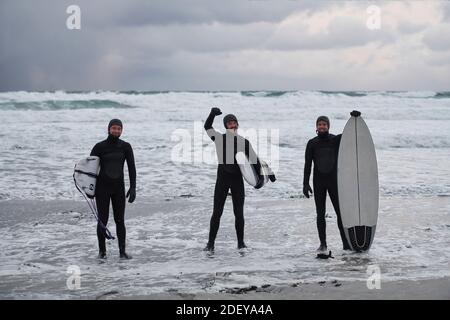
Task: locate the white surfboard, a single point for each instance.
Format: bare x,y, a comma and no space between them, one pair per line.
250,173
85,175
358,184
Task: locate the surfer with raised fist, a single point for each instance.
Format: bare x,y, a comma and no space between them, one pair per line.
323,151
229,176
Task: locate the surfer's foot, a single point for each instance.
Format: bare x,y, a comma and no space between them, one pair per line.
324,255
101,255
209,247
125,256
241,246
323,248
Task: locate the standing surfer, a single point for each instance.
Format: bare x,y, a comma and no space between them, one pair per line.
323,151
113,152
228,174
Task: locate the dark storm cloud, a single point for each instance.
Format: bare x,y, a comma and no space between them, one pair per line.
138,12
200,44
39,52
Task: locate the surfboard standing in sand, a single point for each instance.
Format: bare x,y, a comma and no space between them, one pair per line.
322,150
357,177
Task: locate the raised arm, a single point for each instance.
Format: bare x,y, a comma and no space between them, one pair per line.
209,121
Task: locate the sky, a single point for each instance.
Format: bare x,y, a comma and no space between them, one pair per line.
225,45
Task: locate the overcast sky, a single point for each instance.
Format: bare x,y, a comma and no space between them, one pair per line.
224,45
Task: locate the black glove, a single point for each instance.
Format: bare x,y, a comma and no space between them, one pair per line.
272,178
306,190
131,194
216,111
355,113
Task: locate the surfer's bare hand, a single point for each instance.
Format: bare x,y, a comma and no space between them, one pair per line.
355,113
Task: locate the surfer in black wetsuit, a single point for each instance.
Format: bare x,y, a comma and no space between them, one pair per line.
323,151
113,152
228,174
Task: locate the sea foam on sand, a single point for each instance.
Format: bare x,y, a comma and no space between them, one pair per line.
41,239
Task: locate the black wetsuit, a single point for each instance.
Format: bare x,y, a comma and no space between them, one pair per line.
228,177
323,150
113,153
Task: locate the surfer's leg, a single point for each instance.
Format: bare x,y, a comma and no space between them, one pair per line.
238,196
333,192
320,193
102,199
220,195
118,204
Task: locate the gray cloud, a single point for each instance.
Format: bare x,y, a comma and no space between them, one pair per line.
408,27
445,8
211,45
160,12
343,32
438,38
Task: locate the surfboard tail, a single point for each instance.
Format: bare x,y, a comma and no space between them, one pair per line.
360,238
256,174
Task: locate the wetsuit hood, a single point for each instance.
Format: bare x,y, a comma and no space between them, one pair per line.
231,132
112,139
324,119
114,122
229,117
323,135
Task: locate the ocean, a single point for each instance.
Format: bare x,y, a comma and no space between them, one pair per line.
47,231
44,133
